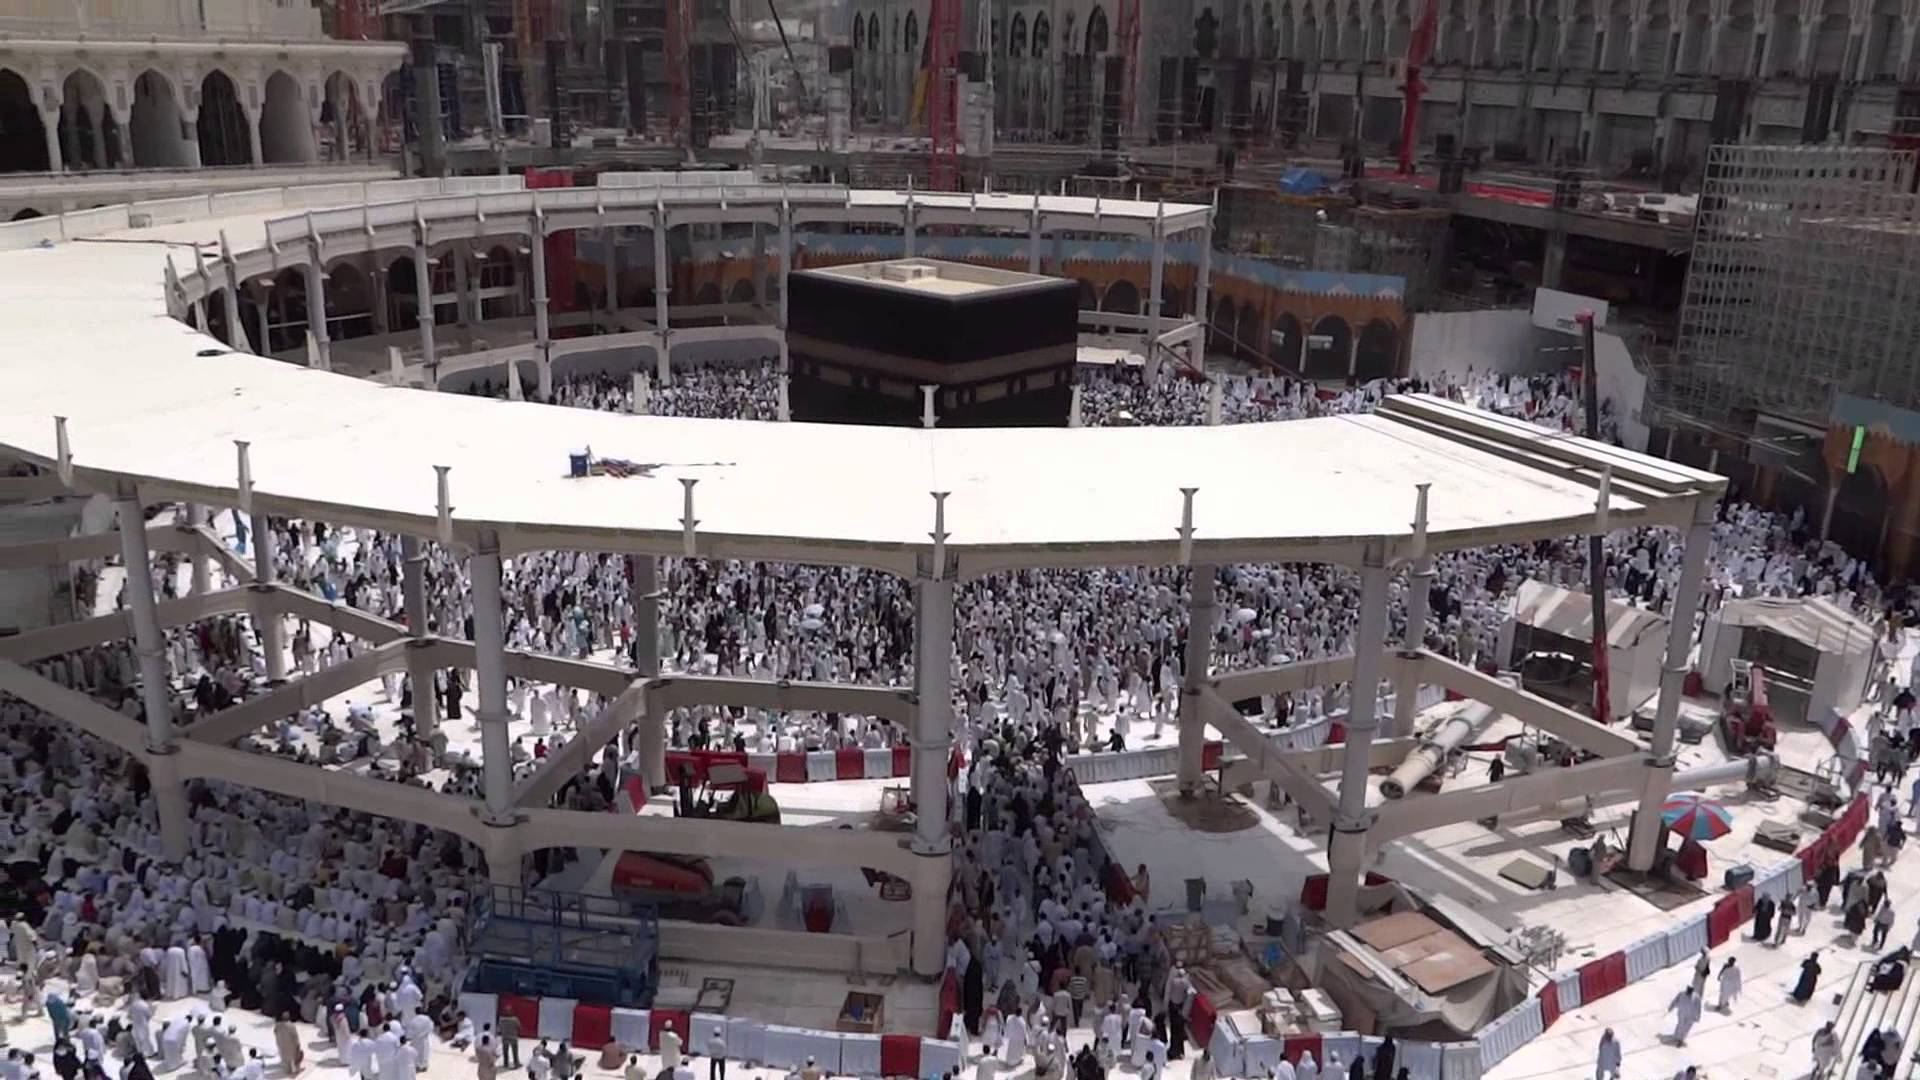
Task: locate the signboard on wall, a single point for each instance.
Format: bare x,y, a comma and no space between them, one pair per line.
1555,310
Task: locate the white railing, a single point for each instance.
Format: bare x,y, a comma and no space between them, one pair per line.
267,20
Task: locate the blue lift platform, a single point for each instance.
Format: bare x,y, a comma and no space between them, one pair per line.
543,943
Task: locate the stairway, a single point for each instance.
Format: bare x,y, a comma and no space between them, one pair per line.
1864,1011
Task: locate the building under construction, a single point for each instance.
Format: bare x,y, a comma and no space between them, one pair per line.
1804,293
1805,284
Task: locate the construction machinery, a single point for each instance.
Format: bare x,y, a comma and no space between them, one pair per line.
943,104
1419,48
728,792
1746,724
682,887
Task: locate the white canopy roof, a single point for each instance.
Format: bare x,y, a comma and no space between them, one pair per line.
88,337
1570,614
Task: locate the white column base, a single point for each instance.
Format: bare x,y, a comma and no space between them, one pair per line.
1346,865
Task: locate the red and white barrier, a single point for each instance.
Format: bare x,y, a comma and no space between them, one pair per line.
749,1042
896,762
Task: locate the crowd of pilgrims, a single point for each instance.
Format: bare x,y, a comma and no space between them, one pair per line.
285,908
355,924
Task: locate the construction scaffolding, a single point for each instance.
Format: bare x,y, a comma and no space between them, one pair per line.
1805,283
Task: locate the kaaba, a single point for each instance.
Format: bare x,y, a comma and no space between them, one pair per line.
863,339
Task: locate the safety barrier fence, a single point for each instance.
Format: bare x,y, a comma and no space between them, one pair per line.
585,1026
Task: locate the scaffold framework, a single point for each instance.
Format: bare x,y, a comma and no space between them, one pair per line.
1805,283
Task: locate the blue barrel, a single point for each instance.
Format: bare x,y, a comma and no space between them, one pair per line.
577,463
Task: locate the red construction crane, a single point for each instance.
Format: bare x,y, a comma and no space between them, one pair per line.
943,61
1419,48
1129,57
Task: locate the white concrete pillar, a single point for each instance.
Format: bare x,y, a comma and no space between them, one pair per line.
253,136
202,572
1666,717
463,286
423,287
542,321
149,645
190,141
932,735
1346,848
413,584
50,124
266,617
317,311
1033,246
236,333
1412,640
98,124
910,224
646,656
490,675
662,286
264,309
1199,658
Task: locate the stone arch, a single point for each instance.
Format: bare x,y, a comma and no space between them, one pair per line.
286,298
1328,359
1513,35
1376,32
1783,44
1736,39
708,294
1859,512
1577,53
1017,36
1378,356
910,44
215,306
742,292
1882,42
349,302
1546,38
1220,329
25,214
89,133
1173,302
403,295
1268,45
1618,34
1247,334
1696,27
225,135
1089,296
286,128
1283,42
23,132
1122,297
1651,57
154,124
1099,36
1399,28
345,115
1283,342
859,34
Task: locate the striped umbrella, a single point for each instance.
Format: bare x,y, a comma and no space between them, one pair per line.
1696,817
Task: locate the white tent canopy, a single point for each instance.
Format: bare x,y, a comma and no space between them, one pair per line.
1636,637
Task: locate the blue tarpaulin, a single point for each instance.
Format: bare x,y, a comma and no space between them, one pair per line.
1301,182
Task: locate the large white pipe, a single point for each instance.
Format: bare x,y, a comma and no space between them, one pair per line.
1433,750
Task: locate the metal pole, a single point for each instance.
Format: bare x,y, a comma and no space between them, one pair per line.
426,707
490,672
1348,844
1198,658
1673,674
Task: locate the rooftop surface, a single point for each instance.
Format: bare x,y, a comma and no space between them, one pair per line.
935,276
